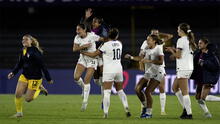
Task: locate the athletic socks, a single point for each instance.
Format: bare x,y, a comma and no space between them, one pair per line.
80,82
162,101
86,92
180,97
18,104
187,104
106,100
123,98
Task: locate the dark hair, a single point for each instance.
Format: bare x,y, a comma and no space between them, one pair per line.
205,40
113,33
83,26
156,38
186,29
99,19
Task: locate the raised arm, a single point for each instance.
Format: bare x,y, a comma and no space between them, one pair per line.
165,36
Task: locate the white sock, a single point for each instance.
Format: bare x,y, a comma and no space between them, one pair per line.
202,104
162,101
86,92
102,92
149,111
187,104
143,104
123,98
106,100
100,81
212,98
80,82
96,81
180,97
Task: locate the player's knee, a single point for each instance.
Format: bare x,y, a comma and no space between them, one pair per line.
137,90
28,99
76,78
18,95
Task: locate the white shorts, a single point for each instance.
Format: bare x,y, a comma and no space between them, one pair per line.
110,77
184,73
159,75
100,61
87,62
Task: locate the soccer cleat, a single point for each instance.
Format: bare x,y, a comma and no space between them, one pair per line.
83,107
17,115
143,113
184,113
128,114
208,115
187,117
43,91
105,116
163,113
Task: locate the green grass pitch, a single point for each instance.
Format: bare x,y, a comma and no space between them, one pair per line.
65,109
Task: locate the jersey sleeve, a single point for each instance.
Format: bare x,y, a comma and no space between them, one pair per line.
95,37
160,50
144,45
76,41
180,44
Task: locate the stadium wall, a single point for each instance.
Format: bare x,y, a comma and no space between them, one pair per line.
64,83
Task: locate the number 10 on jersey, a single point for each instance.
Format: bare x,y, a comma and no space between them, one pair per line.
116,54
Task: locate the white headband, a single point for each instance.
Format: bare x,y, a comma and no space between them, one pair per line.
188,31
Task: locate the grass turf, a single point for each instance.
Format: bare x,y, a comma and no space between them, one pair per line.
65,109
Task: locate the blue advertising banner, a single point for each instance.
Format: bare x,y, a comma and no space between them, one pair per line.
64,83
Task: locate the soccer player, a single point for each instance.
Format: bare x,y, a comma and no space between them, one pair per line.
153,57
184,62
166,41
112,70
206,72
85,41
30,81
96,25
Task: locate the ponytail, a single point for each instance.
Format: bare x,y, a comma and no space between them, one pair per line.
191,38
186,29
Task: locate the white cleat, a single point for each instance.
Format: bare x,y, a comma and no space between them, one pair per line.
105,116
163,113
208,115
83,107
17,115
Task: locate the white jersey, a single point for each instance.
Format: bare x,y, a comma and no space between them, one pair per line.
90,38
84,60
145,45
111,52
152,54
186,60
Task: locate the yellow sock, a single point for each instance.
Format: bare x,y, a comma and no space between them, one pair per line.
18,104
36,94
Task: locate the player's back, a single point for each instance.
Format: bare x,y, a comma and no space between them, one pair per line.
112,51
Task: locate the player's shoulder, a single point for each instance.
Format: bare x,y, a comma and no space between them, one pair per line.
77,37
182,39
